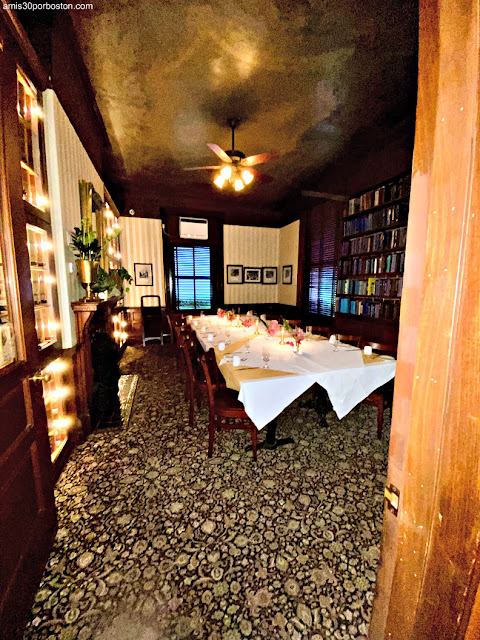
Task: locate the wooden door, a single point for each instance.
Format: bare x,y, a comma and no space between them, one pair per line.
428,585
27,510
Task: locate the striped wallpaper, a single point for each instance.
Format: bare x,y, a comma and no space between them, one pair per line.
288,254
141,241
67,163
250,247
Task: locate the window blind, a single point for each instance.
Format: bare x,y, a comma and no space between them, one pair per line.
193,282
322,233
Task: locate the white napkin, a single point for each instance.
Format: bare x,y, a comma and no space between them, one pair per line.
367,350
332,339
221,346
236,361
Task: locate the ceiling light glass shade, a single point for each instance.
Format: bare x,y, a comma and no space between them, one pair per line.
226,172
219,180
247,177
239,184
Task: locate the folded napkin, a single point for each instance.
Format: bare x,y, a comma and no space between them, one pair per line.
221,346
375,357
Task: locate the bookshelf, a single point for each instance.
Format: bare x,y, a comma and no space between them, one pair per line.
372,252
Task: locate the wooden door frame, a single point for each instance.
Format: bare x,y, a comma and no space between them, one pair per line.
427,586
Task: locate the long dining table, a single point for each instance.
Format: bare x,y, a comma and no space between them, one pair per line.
344,371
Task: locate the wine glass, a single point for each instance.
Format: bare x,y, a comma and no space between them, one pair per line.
266,358
228,333
247,347
335,346
308,332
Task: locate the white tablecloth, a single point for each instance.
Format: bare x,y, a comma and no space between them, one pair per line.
341,373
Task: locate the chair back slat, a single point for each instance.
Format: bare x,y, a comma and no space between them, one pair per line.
381,347
212,378
350,339
323,331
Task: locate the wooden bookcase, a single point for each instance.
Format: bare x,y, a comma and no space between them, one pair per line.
372,252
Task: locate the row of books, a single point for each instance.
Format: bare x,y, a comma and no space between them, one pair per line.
393,190
387,309
378,287
381,241
388,263
377,219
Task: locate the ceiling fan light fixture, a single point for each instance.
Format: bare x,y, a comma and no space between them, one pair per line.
239,184
219,180
226,172
247,176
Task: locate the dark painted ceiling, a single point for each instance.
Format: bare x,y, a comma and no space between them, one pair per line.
302,75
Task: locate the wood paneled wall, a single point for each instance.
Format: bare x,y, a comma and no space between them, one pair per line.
430,555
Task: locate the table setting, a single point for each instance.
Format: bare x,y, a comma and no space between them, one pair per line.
264,364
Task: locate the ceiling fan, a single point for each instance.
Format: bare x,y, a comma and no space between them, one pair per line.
236,170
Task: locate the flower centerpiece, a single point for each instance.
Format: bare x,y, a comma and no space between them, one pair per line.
298,336
230,315
248,322
220,313
272,328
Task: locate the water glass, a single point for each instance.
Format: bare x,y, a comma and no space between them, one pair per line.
308,332
266,358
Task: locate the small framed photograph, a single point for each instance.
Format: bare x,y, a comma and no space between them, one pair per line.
287,274
143,274
234,274
269,275
252,275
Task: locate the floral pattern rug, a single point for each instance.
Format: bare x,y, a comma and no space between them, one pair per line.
157,542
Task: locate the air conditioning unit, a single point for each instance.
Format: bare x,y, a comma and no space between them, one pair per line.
194,228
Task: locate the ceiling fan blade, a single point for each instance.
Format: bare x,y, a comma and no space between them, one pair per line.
219,152
325,196
259,159
199,168
260,177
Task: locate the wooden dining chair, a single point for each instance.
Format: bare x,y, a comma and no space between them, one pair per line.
382,397
294,323
355,341
195,383
323,331
226,412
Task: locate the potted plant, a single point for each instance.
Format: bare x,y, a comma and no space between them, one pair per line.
88,250
112,282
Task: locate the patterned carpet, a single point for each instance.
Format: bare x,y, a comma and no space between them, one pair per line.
158,542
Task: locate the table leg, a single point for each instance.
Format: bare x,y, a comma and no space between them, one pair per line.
271,443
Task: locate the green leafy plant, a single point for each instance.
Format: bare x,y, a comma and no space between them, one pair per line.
85,243
112,282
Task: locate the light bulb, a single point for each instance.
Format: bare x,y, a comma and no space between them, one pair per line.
116,334
247,177
109,231
219,180
226,172
124,336
239,184
111,251
115,318
123,323
41,201
118,256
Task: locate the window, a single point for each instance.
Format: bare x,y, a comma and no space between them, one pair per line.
322,232
193,283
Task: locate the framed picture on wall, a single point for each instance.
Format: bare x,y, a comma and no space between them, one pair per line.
234,274
143,274
252,275
269,275
287,274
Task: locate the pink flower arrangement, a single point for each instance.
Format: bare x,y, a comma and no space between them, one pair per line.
298,335
221,313
272,328
248,322
290,344
231,315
